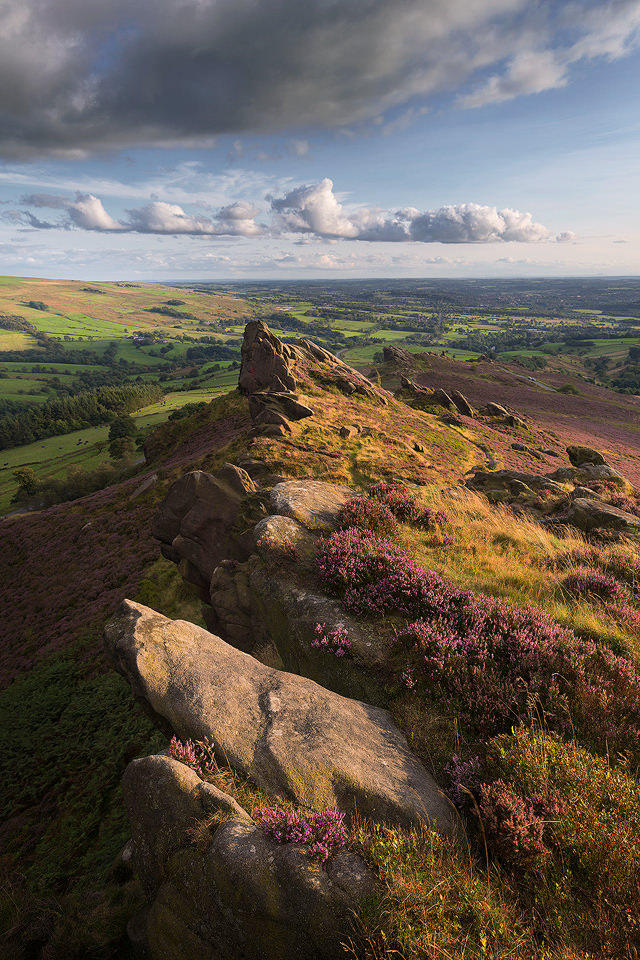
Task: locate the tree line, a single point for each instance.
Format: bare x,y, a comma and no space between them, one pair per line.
66,414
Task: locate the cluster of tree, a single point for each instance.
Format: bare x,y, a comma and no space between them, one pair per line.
77,483
172,312
37,305
66,414
10,321
212,351
628,381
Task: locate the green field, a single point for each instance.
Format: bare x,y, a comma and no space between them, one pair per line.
86,448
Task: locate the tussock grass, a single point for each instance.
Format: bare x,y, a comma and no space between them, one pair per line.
437,902
509,555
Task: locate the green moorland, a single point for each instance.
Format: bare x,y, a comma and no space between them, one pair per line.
552,811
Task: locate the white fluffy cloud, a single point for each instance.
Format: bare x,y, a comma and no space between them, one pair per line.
316,210
88,213
605,31
78,76
157,217
311,212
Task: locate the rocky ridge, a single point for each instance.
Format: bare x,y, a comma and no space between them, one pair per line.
329,746
318,734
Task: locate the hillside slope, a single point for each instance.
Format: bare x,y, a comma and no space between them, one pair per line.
69,725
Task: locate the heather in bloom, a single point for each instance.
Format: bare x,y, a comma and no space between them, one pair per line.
405,506
368,514
198,754
585,581
333,641
513,826
490,664
323,832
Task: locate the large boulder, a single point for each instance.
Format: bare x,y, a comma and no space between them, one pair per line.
266,362
205,519
603,473
496,410
219,888
590,515
293,738
487,480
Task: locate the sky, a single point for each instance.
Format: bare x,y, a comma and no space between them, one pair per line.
291,139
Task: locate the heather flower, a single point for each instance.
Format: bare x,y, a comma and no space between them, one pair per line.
513,828
333,641
368,514
198,754
323,833
586,581
492,664
465,777
405,506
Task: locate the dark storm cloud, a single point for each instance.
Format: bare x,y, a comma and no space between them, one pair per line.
78,76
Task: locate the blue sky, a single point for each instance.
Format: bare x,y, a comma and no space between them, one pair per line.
237,139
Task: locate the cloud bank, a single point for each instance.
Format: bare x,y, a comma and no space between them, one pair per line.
315,210
311,211
157,217
78,76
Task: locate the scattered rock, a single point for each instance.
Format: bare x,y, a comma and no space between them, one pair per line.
203,520
511,479
271,416
418,447
397,356
462,404
604,472
272,430
579,455
289,405
585,493
520,446
564,474
496,410
348,431
293,738
589,515
442,398
512,421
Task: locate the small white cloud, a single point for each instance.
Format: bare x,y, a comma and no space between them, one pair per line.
161,217
88,213
314,209
299,148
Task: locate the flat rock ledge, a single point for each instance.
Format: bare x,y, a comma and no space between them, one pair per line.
293,738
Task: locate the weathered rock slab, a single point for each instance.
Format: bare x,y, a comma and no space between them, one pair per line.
293,738
313,503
